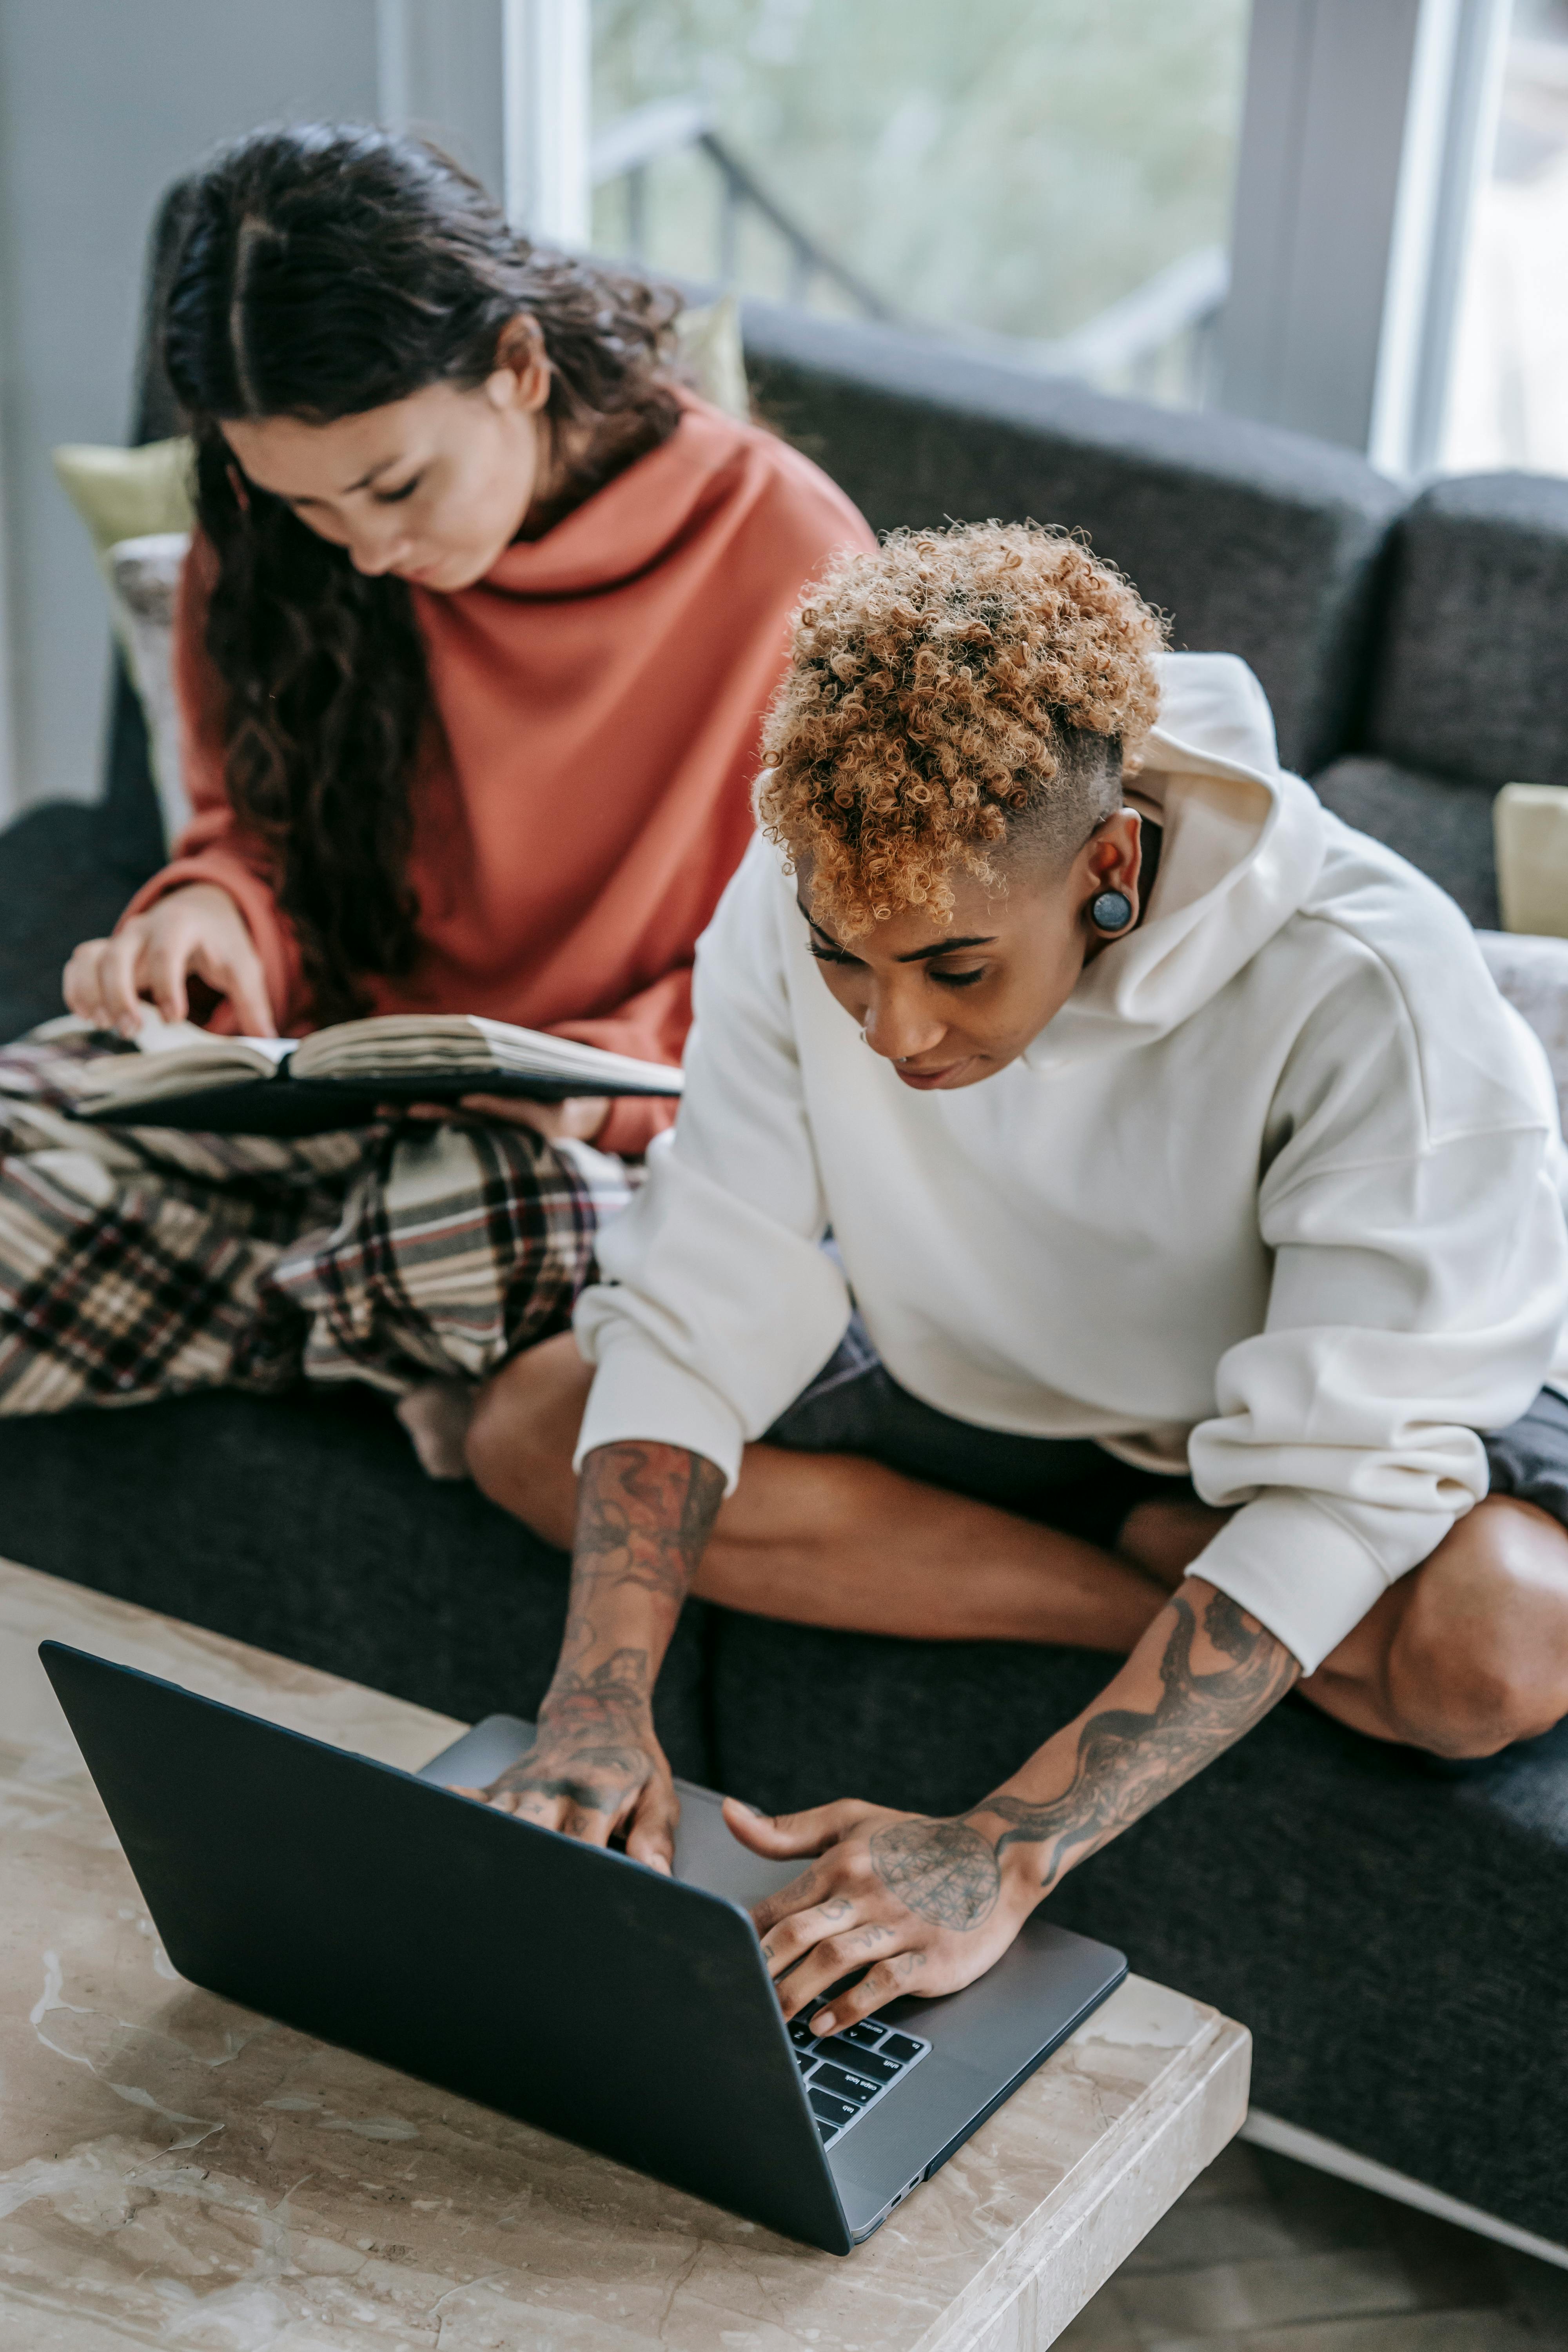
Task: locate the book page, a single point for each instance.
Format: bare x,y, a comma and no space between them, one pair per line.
277,1049
157,1035
193,1061
466,1046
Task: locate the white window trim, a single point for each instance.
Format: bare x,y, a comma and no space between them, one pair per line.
507,84
10,798
547,101
1364,131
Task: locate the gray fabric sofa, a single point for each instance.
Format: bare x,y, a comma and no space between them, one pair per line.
1393,1932
1467,688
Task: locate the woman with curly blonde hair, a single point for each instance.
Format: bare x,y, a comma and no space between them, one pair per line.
1194,1206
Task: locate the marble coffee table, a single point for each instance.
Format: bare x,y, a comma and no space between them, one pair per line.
174,2170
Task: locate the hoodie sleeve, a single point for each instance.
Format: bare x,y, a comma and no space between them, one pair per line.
1420,1277
718,1304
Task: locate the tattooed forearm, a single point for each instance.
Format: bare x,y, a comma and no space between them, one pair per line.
601,1699
897,1903
644,1515
1126,1759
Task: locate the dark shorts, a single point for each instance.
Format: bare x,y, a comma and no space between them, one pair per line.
855,1406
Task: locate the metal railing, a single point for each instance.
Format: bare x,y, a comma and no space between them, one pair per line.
1162,336
1162,329
670,126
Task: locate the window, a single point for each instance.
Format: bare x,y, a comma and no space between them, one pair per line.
1049,177
1508,402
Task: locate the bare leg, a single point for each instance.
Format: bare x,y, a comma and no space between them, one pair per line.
835,1540
1164,1539
1469,1651
1466,1654
828,1539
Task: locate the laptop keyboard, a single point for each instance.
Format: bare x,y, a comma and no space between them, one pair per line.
847,2073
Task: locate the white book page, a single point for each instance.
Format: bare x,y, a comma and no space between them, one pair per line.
157,1035
462,1045
277,1049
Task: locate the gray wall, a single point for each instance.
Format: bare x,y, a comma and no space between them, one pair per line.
101,103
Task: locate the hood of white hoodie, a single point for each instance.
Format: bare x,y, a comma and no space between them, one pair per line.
1243,844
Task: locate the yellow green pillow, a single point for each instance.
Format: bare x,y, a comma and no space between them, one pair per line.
136,504
127,493
708,340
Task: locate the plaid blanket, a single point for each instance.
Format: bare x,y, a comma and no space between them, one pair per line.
140,1261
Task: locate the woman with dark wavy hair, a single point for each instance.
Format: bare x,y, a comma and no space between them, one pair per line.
476,633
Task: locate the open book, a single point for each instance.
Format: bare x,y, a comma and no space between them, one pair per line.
339,1077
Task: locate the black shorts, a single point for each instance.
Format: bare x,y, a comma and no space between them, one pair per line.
855,1406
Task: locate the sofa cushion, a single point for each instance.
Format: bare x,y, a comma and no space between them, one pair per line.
1469,679
303,1523
1393,1933
1257,541
1441,825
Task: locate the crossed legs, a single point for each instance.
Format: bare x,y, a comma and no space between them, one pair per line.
824,1539
1466,1654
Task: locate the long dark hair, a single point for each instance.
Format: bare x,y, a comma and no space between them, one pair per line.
322,271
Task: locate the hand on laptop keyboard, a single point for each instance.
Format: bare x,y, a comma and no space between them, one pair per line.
904,1903
595,1767
644,1512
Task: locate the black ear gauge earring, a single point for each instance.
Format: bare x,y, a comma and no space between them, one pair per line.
1112,911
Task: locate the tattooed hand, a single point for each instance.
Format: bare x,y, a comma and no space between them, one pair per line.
597,1764
923,1905
643,1513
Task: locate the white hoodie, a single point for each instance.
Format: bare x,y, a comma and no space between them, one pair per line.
1274,1195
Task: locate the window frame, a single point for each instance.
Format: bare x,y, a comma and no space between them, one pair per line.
1366,127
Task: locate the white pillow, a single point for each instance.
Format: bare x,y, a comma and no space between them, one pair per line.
1532,974
143,580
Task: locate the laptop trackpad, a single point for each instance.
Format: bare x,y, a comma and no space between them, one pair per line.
705,1854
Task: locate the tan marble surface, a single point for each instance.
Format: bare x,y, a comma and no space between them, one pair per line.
177,2171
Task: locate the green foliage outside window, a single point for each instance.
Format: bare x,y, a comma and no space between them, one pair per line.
1007,166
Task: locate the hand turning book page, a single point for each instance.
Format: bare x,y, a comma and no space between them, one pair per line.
341,1076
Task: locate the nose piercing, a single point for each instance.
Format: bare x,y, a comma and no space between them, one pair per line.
1112,911
899,1058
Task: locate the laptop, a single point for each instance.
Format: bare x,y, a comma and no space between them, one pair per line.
561,1983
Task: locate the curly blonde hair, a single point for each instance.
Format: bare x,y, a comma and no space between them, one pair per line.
950,693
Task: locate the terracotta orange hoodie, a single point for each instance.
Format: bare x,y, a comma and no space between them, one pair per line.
598,697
